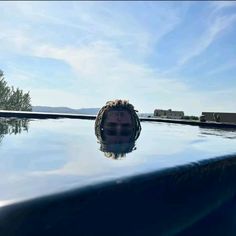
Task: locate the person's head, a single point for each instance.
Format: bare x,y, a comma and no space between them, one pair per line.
117,126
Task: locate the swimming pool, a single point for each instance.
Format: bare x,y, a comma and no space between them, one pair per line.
41,158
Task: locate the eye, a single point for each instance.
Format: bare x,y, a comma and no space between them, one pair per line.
111,124
126,125
125,133
111,132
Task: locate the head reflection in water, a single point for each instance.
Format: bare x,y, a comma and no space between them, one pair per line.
117,127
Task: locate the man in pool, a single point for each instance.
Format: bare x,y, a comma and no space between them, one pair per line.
117,126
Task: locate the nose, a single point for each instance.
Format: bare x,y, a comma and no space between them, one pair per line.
119,128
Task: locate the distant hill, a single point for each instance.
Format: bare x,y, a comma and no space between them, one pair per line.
86,111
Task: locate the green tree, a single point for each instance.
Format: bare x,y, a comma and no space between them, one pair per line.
13,99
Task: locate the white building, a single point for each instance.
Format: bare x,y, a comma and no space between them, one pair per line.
169,114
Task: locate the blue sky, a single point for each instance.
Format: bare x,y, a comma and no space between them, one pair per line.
179,55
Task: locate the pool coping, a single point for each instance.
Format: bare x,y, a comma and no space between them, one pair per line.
44,115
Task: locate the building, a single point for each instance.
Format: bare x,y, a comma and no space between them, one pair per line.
220,117
168,114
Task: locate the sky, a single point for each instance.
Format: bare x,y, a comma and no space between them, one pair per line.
158,55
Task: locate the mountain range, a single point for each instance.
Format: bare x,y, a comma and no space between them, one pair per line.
86,111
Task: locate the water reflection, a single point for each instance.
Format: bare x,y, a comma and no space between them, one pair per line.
228,133
12,126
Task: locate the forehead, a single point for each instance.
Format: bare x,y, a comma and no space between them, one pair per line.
118,114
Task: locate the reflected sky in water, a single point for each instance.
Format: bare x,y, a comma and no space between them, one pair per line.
55,155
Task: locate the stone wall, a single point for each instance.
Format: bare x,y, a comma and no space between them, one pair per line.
220,117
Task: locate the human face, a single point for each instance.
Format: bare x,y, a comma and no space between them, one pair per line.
118,126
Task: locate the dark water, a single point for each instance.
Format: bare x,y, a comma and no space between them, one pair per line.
186,184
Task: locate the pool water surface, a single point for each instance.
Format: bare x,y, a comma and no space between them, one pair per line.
57,178
49,156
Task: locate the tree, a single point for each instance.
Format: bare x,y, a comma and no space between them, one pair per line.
13,99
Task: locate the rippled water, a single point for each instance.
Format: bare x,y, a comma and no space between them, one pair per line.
40,157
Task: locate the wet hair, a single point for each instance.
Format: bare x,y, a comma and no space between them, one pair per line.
117,104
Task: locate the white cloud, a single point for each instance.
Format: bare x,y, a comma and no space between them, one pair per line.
55,97
220,5
109,55
136,32
222,68
103,74
110,75
214,29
